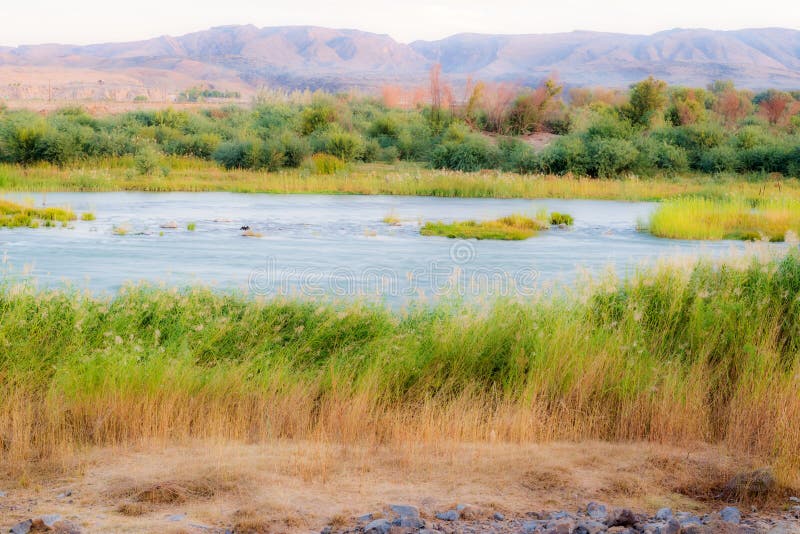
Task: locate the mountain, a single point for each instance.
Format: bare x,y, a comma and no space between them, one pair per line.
245,58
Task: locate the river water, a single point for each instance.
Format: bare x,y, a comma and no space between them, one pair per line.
326,244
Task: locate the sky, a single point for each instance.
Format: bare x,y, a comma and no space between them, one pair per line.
94,21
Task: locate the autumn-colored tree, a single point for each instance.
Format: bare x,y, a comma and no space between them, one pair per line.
773,104
732,105
687,106
531,108
583,96
647,98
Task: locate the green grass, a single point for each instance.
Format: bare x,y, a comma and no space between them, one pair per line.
557,218
512,228
191,174
673,355
726,218
13,215
191,227
88,216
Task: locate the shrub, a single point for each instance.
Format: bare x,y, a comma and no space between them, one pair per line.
146,160
316,117
607,158
472,154
345,146
233,155
719,159
567,154
326,164
295,149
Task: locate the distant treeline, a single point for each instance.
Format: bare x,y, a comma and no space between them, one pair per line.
649,129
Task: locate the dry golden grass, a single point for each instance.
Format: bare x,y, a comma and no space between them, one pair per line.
297,486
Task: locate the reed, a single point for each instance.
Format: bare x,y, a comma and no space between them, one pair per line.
726,218
189,174
671,355
514,227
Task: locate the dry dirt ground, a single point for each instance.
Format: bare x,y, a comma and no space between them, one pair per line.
305,486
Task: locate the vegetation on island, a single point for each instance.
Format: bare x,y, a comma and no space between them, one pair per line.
726,218
514,227
13,215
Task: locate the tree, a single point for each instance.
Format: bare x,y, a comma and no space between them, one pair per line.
772,104
647,98
732,105
532,108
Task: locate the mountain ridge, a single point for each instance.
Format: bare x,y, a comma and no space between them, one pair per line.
244,58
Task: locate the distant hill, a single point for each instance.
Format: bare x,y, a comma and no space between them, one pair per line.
244,58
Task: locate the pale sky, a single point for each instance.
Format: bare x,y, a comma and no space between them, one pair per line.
93,21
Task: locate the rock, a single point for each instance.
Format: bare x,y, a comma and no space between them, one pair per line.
559,515
326,530
685,518
561,526
621,517
404,510
597,511
499,517
2,494
45,522
171,225
589,527
793,499
529,527
450,515
664,514
672,527
23,527
379,526
694,529
366,518
409,522
64,495
468,512
751,484
176,517
731,514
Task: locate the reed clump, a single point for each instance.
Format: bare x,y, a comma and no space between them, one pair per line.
514,227
13,215
673,355
726,218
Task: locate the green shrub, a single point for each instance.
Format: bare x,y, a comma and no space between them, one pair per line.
233,155
567,154
472,154
345,146
326,164
719,159
146,160
609,158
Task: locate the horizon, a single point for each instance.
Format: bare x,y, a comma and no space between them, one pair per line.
87,22
356,29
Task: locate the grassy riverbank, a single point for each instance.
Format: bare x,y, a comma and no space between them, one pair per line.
674,356
190,174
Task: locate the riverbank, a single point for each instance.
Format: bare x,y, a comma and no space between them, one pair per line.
675,355
315,486
189,174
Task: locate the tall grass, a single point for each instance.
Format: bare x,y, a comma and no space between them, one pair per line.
191,174
16,215
726,218
673,355
514,227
